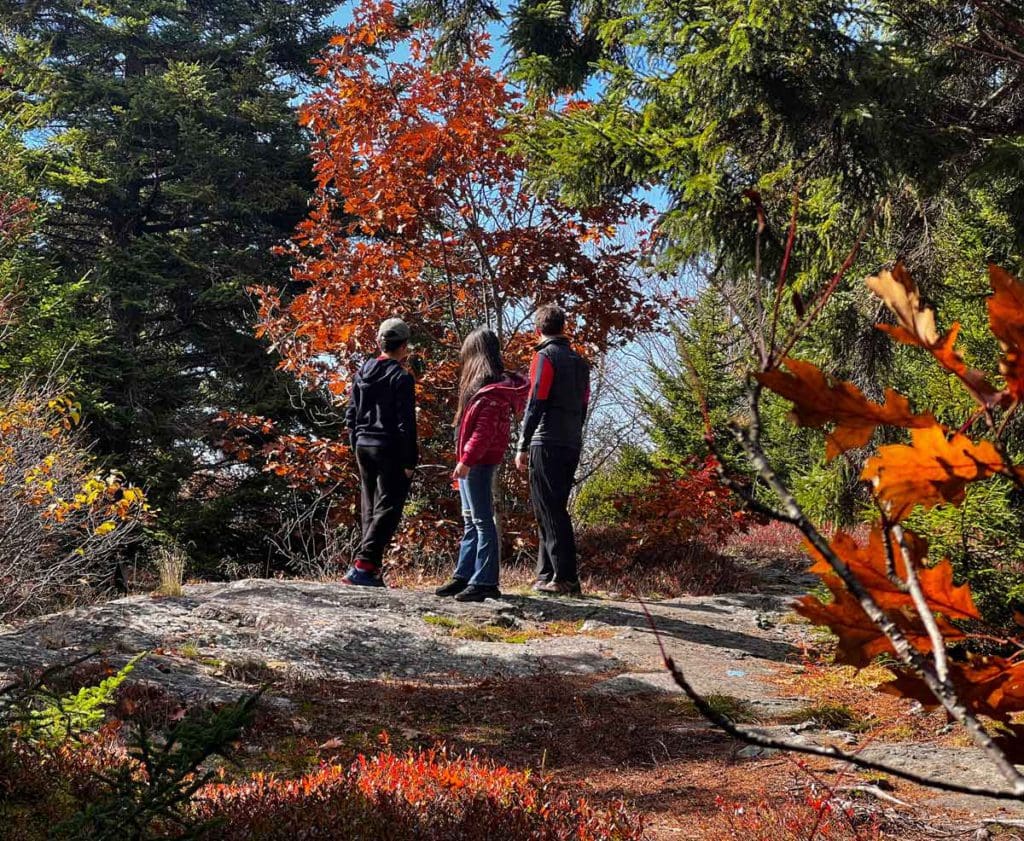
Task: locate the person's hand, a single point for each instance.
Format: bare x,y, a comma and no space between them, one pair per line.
409,473
522,462
461,471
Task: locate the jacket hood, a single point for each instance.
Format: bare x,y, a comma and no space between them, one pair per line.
376,370
511,383
513,387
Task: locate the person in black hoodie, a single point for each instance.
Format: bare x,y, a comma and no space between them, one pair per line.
381,419
549,446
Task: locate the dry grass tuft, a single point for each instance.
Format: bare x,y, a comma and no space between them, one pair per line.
170,564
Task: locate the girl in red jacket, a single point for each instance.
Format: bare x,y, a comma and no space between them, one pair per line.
488,397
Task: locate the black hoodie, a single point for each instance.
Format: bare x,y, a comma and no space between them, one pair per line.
382,409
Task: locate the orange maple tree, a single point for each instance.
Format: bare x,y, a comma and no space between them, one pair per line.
422,211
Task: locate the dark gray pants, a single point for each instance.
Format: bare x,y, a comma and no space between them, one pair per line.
384,490
552,471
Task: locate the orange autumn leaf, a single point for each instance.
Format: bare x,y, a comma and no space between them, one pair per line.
870,565
818,399
899,293
992,686
859,640
931,470
916,326
1006,318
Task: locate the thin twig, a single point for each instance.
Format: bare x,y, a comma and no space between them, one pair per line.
826,294
923,610
780,284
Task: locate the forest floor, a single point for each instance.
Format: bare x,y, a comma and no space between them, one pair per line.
574,688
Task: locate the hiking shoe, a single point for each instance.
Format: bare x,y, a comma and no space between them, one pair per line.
560,588
476,593
361,578
452,588
540,582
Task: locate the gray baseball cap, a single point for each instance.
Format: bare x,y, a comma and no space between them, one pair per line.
394,328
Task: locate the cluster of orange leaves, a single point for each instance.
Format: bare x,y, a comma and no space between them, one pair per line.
934,468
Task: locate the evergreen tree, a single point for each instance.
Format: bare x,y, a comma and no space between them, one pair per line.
900,111
703,371
171,163
40,323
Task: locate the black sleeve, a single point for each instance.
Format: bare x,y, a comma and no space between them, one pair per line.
352,413
405,405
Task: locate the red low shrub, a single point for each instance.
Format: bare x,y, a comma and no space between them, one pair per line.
42,787
771,541
430,794
615,558
793,818
691,506
668,535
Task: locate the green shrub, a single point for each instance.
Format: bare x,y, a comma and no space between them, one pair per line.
984,540
629,475
70,716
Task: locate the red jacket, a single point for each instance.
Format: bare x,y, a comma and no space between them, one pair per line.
487,420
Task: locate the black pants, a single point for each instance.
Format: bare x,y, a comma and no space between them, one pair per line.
552,470
384,490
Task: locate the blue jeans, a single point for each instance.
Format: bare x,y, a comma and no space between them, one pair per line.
479,550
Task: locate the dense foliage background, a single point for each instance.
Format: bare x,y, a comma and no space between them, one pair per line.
169,174
207,207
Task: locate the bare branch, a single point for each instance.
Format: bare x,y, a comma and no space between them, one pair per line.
828,752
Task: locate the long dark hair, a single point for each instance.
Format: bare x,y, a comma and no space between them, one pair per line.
481,365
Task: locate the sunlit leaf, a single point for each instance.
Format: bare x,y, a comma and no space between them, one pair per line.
916,326
931,470
819,400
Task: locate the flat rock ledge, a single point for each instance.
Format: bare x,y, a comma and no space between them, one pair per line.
218,640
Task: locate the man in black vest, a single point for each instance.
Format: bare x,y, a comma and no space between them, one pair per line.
552,434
